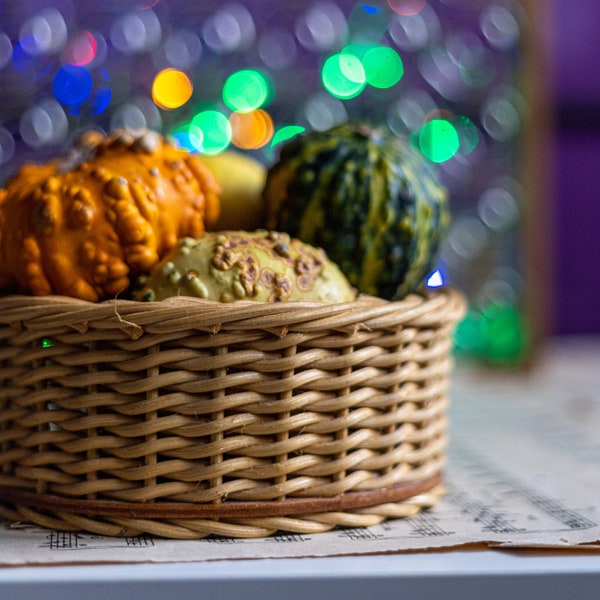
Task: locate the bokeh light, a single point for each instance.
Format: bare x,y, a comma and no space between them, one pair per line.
6,50
409,111
322,111
438,140
343,76
139,112
383,67
185,138
251,130
171,88
183,49
103,94
321,27
285,133
500,116
370,9
415,32
498,208
406,8
7,146
245,90
467,237
229,30
443,74
210,132
44,125
30,69
475,61
504,286
468,134
367,24
468,337
500,27
101,54
277,49
135,32
128,116
81,49
503,332
44,33
72,85
435,279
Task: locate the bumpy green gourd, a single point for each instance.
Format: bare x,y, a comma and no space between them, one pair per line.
367,198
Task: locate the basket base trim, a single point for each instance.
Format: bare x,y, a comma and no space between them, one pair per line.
228,509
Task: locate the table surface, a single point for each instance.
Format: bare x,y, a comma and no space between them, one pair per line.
461,574
481,573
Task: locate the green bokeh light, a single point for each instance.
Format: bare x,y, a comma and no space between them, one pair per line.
503,330
496,334
467,336
210,131
285,133
246,90
343,76
383,67
439,140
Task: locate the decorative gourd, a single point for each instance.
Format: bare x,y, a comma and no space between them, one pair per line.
84,225
367,198
264,266
241,179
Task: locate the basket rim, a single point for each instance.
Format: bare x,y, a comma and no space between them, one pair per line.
430,308
69,301
226,509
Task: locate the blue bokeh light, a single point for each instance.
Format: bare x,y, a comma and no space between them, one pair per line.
72,85
103,94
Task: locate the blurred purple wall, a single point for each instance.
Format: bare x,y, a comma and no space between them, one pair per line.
575,184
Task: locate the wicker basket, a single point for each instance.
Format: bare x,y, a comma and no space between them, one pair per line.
185,418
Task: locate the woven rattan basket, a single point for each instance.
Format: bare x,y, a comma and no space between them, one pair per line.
185,418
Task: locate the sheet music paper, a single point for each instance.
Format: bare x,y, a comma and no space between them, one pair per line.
523,470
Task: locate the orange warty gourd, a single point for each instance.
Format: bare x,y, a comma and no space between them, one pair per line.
86,224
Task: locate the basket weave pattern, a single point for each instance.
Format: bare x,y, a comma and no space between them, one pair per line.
185,418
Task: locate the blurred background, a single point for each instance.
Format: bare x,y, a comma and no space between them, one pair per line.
500,96
572,43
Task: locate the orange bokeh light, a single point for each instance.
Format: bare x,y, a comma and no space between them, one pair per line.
251,130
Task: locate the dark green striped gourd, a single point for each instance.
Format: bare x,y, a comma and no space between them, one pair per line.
367,198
